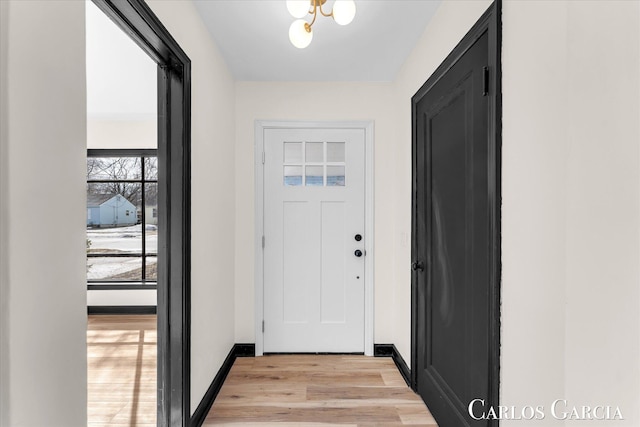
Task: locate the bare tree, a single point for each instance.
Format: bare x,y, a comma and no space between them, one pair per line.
110,176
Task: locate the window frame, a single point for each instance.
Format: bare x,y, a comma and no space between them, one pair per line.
143,283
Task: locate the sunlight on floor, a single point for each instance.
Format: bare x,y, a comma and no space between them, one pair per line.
121,359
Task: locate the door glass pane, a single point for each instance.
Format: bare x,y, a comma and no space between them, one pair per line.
314,176
335,151
114,268
293,175
335,176
314,152
293,152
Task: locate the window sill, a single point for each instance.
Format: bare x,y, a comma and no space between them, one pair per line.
110,286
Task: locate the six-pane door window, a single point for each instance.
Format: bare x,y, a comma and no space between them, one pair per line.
323,164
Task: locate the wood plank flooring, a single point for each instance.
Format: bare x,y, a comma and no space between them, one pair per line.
286,391
121,356
309,390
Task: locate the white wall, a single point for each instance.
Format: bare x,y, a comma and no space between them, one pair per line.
603,206
135,297
4,223
43,164
213,194
314,102
535,150
121,87
570,205
130,133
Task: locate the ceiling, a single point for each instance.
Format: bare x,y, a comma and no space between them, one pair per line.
253,37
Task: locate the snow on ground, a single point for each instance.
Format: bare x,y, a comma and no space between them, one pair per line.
123,239
119,240
104,268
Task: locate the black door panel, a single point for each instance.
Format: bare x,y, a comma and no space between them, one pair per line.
451,237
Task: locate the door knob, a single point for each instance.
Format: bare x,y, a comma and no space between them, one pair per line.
358,253
417,265
358,237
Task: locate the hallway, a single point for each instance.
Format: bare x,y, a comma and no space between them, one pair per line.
568,205
306,390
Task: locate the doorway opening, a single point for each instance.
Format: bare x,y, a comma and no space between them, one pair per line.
122,226
319,176
170,264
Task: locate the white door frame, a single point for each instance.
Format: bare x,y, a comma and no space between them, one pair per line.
260,127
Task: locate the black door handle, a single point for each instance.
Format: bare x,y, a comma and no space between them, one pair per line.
417,265
358,237
358,253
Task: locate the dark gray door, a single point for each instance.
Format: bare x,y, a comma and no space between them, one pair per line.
451,245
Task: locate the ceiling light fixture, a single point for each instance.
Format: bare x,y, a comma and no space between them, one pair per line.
301,33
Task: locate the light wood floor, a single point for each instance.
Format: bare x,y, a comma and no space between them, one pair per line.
345,391
287,391
121,353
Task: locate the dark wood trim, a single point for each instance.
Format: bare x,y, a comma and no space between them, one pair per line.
174,276
122,152
490,22
120,255
390,350
121,309
316,353
123,181
245,350
495,197
136,19
383,350
119,286
479,28
201,412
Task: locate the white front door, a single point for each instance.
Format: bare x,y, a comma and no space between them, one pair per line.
314,240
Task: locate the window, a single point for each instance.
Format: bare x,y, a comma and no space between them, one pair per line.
323,164
122,224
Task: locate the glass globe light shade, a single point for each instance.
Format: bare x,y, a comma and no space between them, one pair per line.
344,11
298,8
299,35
